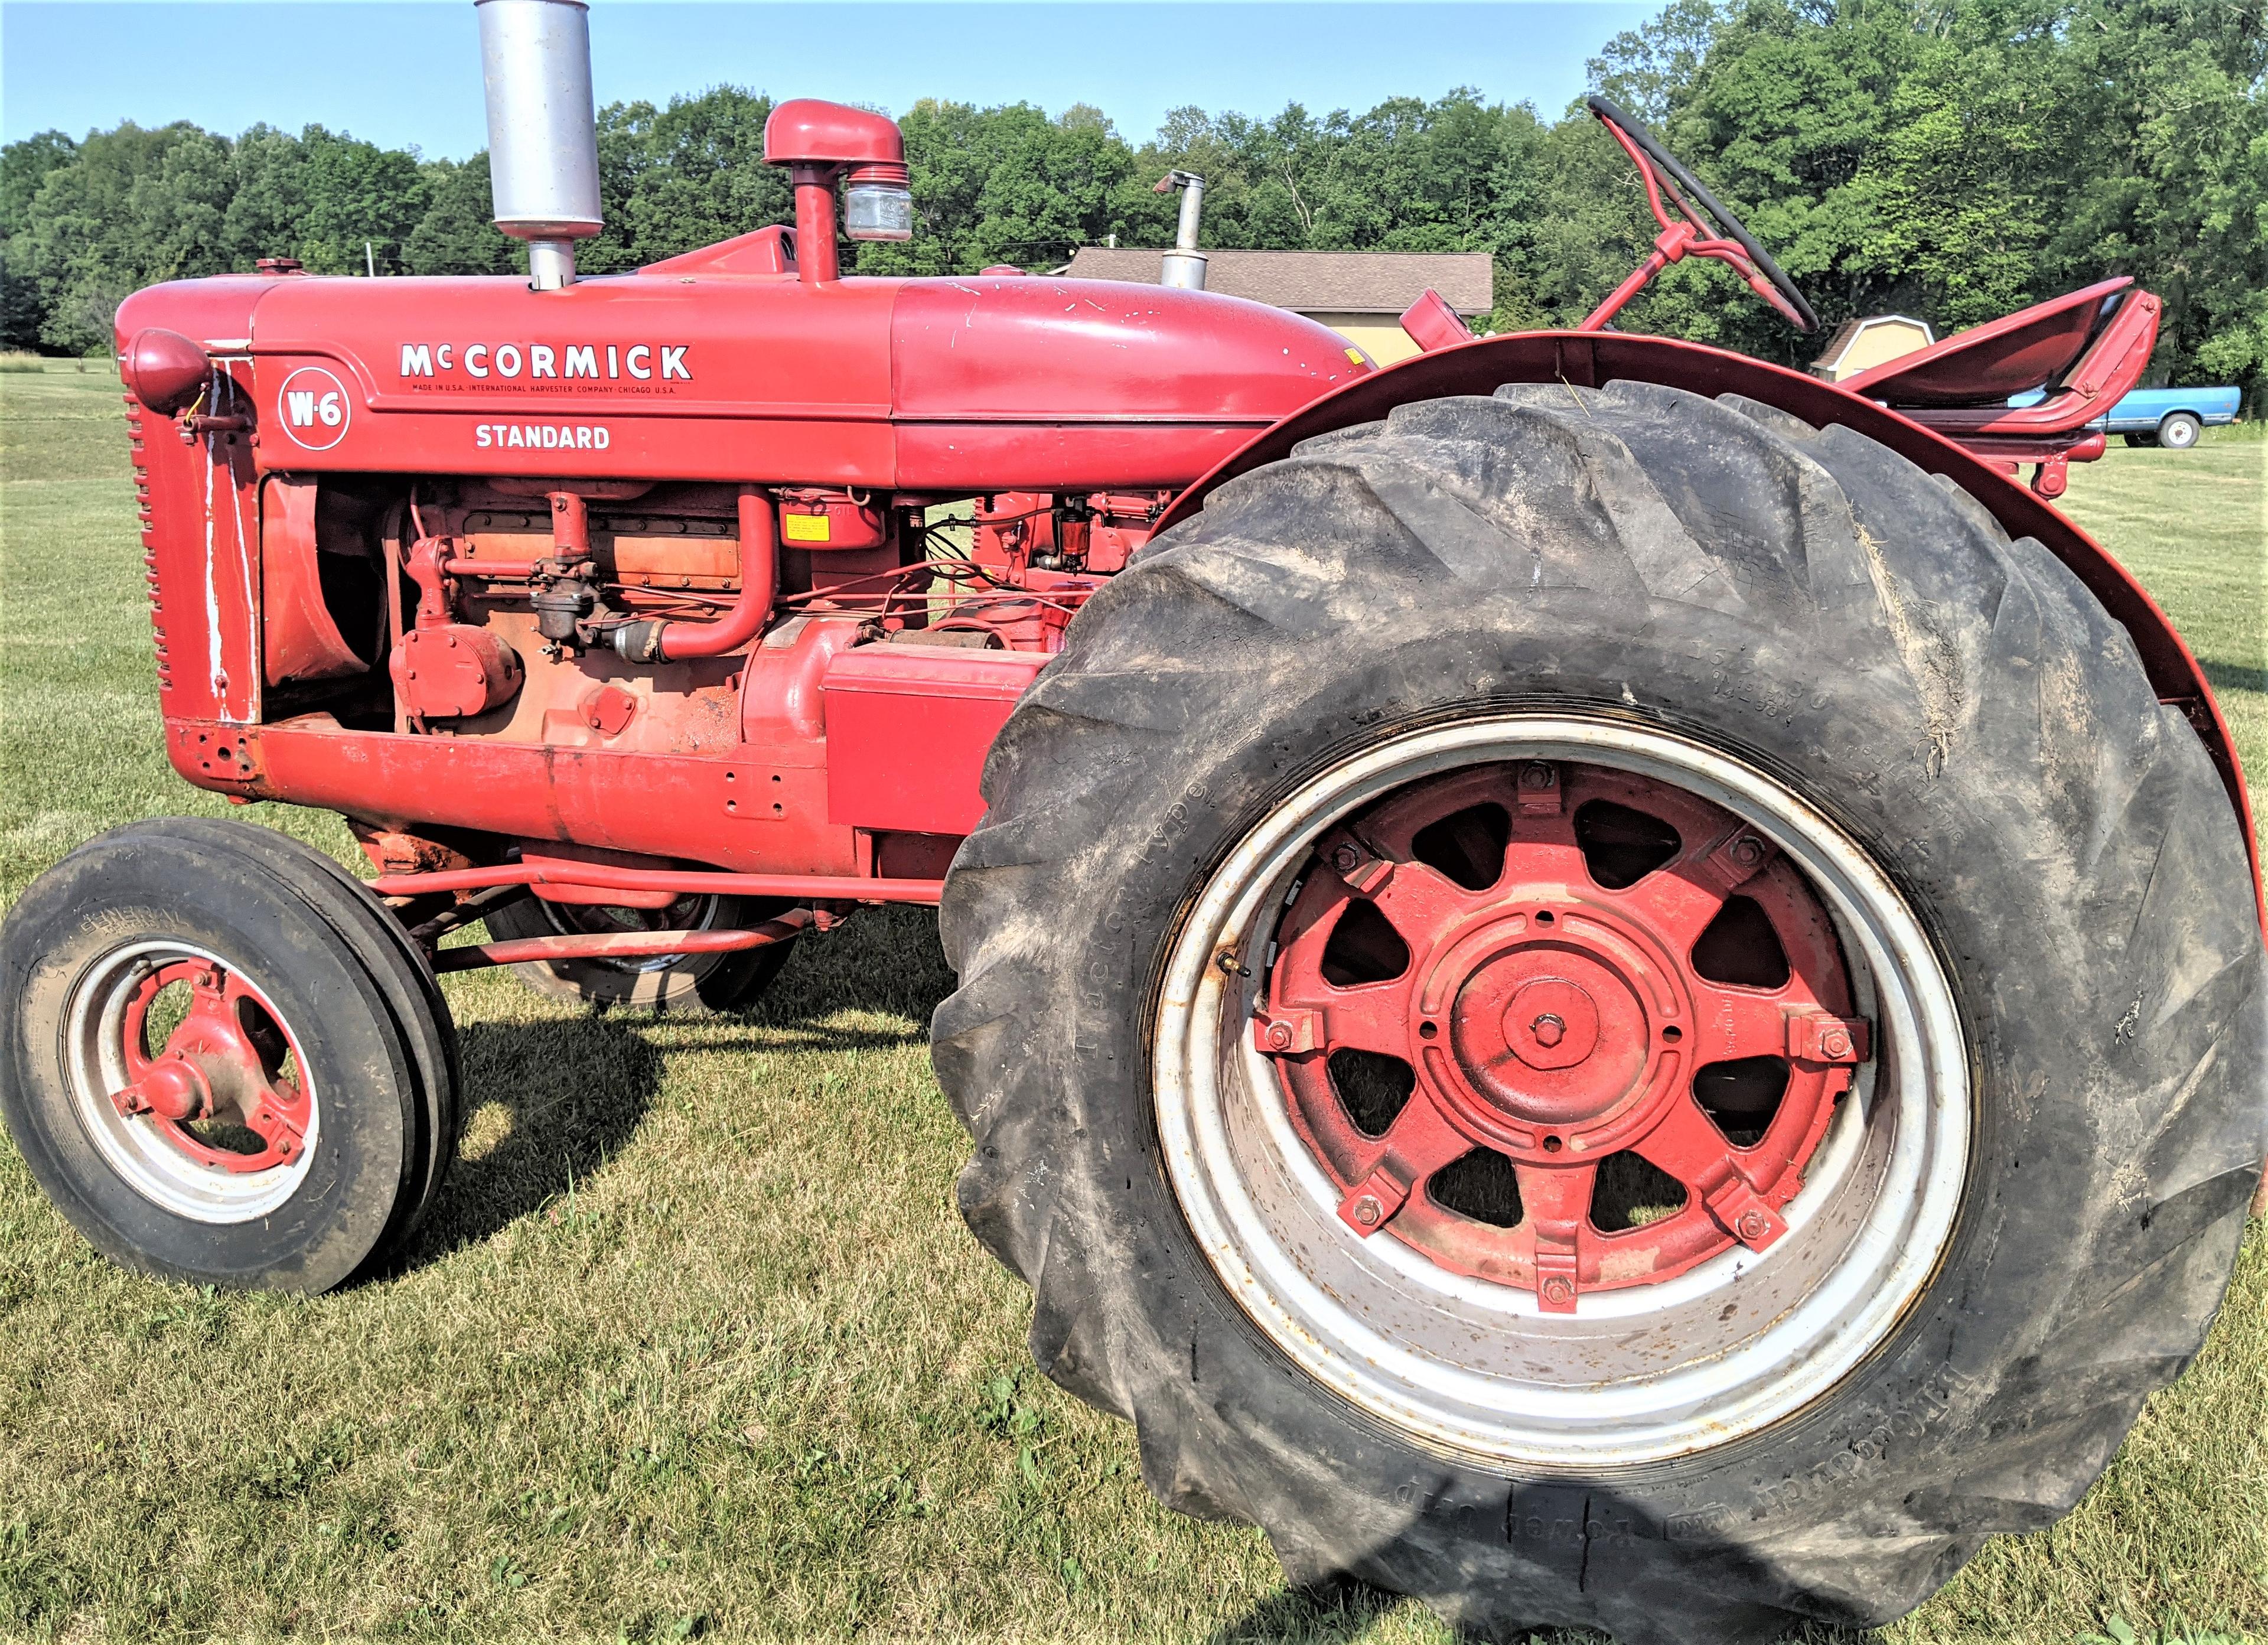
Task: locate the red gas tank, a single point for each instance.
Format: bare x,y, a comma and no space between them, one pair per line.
1092,384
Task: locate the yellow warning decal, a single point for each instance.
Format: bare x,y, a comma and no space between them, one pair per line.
804,527
1356,356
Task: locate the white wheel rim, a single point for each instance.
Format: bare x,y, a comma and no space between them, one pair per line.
136,1149
1476,1369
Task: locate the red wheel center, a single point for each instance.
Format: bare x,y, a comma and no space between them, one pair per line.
1550,1023
1549,1035
223,1059
1552,1009
1547,991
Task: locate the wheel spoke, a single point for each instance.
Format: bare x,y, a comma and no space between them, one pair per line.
1555,1204
1419,902
1676,902
1555,1201
1546,861
1733,1022
1543,849
279,1114
1686,1143
1374,1017
1420,1142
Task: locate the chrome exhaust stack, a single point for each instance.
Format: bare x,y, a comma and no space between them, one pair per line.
543,135
1185,265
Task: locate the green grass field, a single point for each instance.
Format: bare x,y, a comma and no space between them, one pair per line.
696,1344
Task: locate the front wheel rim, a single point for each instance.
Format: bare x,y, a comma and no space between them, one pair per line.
1476,1367
232,1060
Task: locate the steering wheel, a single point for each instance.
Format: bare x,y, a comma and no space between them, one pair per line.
1732,244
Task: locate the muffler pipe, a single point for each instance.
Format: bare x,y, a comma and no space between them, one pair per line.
543,134
1184,266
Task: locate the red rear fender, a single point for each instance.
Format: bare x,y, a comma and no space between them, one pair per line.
1594,359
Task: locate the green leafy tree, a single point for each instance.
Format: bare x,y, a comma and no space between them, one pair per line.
676,179
2164,100
24,167
133,207
355,195
457,233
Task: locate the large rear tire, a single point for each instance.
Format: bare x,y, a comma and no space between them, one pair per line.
1866,1327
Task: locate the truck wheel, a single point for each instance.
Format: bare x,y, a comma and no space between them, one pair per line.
2179,431
221,1060
1610,1010
667,983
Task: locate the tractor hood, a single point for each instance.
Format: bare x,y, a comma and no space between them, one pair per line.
946,385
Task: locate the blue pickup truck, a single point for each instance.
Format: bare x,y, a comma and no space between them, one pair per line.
2171,417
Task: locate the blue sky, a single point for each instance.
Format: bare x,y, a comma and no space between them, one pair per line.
406,73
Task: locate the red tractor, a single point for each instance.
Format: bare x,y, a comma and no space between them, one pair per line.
1598,982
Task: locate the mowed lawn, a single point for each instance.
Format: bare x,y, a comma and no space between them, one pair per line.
696,1344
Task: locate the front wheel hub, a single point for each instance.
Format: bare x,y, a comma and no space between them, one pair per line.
190,1082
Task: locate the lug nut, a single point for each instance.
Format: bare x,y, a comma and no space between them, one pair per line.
1367,1210
1279,1036
1537,774
1549,1030
1753,1225
1747,850
1558,1290
1835,1043
1346,860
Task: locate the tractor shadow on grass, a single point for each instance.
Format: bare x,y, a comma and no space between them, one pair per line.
2226,677
887,962
1337,1613
574,1089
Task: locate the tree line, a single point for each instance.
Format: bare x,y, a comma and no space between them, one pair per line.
1948,158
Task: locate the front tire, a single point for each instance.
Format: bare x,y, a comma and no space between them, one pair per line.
2004,859
221,1060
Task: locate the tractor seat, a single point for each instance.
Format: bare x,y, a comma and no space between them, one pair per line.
1984,364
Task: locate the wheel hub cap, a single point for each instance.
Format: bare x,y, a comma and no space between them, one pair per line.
1548,1033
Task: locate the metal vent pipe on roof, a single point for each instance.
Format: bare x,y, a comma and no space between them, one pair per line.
543,138
1184,266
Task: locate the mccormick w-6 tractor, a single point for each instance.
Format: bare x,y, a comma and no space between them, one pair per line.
1598,982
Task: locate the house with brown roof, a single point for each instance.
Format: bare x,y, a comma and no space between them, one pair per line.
1359,294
